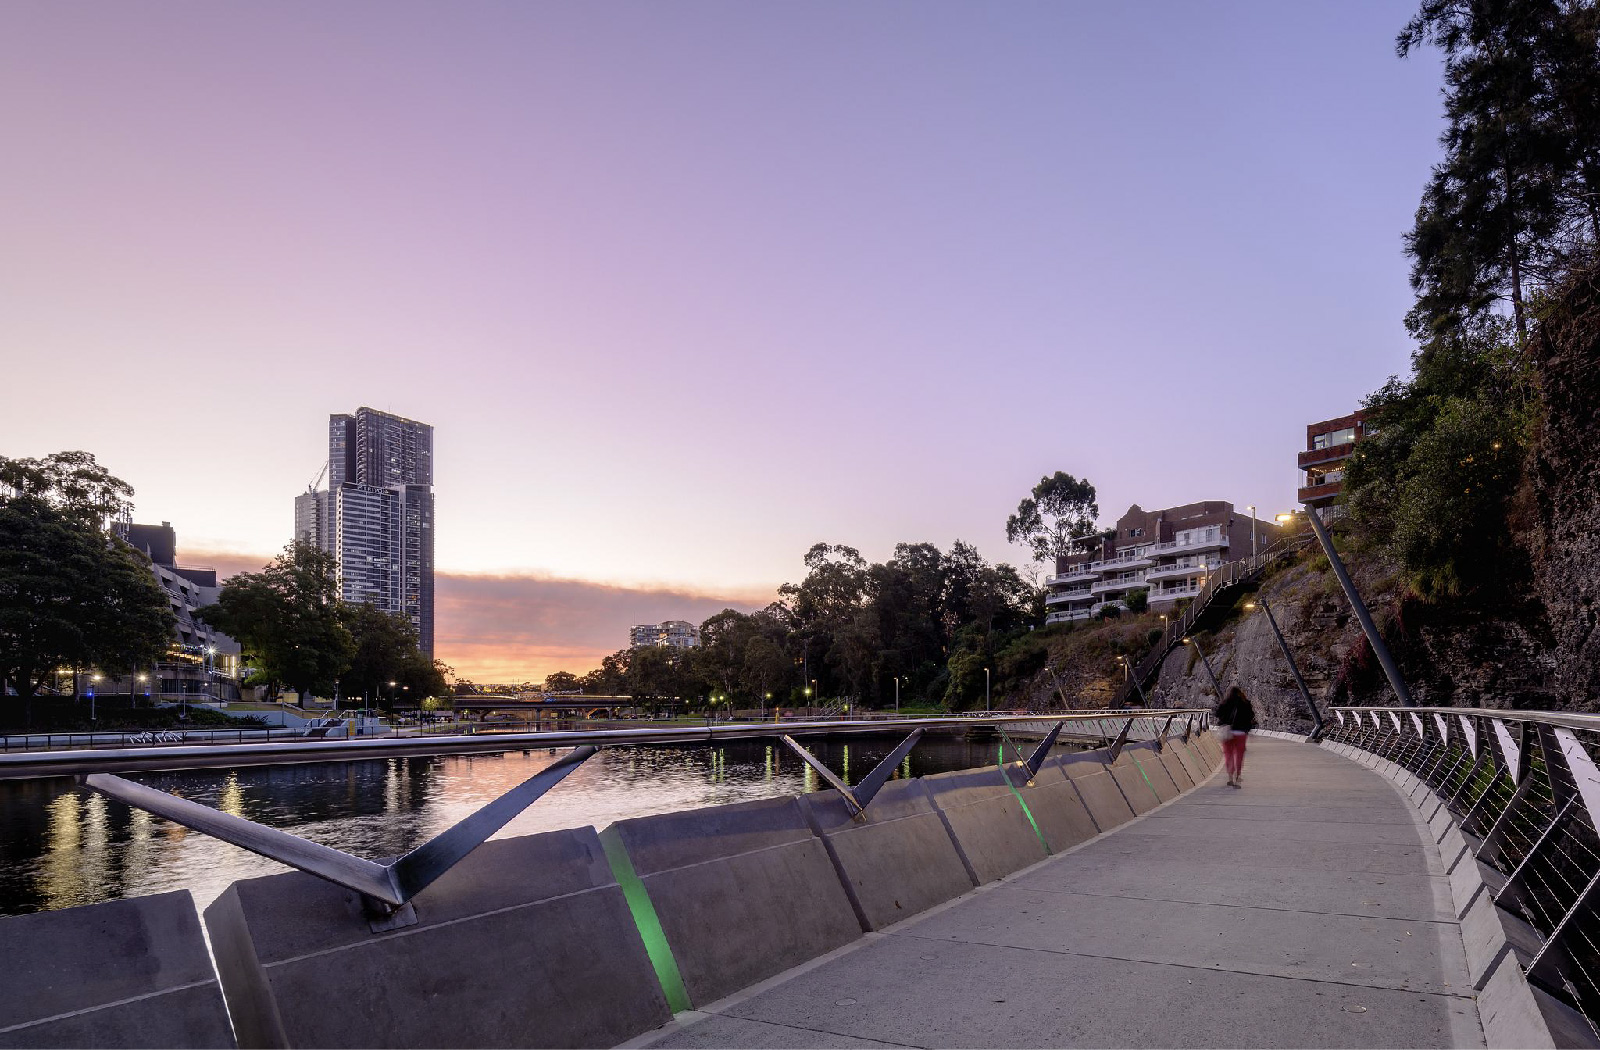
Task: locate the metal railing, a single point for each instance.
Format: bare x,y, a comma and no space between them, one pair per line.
25,742
387,889
1525,792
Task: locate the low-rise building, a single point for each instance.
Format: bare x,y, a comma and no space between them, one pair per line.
1165,553
680,634
202,662
1322,462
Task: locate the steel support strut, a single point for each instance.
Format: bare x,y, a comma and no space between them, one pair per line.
859,797
1380,650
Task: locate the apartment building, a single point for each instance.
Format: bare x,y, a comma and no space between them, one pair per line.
1165,553
1328,447
202,660
376,516
680,634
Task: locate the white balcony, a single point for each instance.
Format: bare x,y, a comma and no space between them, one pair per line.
1173,572
1136,580
1066,616
1078,574
1181,546
1058,597
1158,597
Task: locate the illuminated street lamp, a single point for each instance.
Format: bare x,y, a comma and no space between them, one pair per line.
92,679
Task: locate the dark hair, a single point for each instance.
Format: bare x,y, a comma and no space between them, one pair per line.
1235,693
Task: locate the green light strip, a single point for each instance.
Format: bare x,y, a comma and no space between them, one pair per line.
1142,773
649,924
1022,801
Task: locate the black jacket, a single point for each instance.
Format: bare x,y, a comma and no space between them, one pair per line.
1238,714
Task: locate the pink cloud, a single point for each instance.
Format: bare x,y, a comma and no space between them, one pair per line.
521,628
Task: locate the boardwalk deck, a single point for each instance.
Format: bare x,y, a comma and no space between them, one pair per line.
1308,909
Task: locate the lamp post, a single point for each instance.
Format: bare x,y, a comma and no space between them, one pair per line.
1294,668
986,707
1209,672
816,695
92,679
766,699
897,696
1252,531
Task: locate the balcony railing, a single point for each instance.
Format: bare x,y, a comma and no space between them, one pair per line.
1081,573
1059,597
1189,544
1326,491
1118,585
1067,616
1326,455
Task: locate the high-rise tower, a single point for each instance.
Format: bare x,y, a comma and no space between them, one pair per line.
376,517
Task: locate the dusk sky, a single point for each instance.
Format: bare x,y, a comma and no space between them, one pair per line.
685,288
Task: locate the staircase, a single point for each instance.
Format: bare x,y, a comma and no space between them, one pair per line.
1221,586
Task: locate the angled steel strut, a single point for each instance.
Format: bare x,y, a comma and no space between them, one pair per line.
861,795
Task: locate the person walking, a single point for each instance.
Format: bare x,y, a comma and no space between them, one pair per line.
1236,714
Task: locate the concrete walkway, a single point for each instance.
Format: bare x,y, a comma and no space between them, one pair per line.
1307,909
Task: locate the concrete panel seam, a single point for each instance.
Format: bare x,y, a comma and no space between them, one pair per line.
412,931
107,1006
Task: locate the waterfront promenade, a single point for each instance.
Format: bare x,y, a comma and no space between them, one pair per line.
1309,908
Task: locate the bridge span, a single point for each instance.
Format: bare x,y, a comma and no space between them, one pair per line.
1422,882
1309,908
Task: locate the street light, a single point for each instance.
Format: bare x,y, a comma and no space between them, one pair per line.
987,709
1252,530
92,678
897,696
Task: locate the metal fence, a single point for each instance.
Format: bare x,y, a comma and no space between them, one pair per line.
388,888
1525,792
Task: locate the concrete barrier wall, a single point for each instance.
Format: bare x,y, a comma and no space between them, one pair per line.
894,860
1057,808
563,939
742,891
1135,788
1098,789
526,942
128,973
992,830
1147,760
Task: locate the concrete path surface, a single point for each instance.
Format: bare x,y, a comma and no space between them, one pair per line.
1307,909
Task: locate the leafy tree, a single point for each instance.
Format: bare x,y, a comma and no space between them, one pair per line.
70,595
1060,510
1137,600
289,619
562,682
1518,191
383,650
72,483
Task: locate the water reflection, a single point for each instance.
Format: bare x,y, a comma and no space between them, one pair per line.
62,846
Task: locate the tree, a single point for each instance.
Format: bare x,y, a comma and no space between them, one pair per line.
1517,194
72,483
383,650
289,619
1061,509
562,682
70,595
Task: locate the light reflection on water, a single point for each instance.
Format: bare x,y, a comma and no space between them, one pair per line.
62,846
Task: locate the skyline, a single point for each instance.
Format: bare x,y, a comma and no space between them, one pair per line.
713,284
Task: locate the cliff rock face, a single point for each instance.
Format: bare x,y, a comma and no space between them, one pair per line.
1566,484
1448,655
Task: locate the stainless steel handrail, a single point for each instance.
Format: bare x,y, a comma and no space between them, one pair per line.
387,889
208,756
1524,789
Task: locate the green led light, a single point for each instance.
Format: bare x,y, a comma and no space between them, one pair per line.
1021,801
649,924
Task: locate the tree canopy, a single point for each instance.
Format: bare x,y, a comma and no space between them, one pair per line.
1060,509
71,593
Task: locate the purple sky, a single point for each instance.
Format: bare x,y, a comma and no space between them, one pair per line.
688,287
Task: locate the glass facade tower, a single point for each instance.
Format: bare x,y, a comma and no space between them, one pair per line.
376,517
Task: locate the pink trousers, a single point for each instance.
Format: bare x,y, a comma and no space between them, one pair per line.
1233,754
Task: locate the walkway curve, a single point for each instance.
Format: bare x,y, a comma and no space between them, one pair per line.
1309,908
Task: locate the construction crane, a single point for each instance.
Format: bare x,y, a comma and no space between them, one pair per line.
318,480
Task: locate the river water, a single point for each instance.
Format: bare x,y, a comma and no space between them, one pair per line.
61,845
